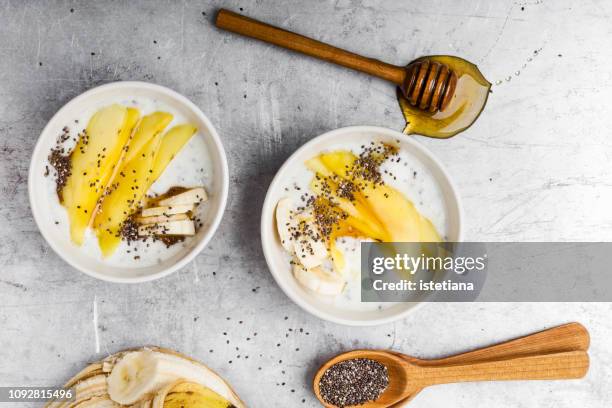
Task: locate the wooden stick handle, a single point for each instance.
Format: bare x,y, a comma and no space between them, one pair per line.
558,366
567,337
237,23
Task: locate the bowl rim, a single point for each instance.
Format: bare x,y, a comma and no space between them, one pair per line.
268,206
223,193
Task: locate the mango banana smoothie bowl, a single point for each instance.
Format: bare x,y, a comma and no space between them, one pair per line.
103,181
124,187
352,185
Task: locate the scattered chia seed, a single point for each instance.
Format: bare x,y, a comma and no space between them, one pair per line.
353,382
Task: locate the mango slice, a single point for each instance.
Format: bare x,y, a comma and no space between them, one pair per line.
172,142
194,395
124,197
374,211
93,160
131,121
137,176
378,211
149,127
359,215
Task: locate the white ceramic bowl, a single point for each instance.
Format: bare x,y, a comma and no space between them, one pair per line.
41,200
274,252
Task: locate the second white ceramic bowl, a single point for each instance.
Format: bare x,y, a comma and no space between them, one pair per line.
274,252
41,200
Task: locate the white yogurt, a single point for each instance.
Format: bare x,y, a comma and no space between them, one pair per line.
191,167
413,180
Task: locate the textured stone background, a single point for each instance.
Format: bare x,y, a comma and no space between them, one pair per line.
534,167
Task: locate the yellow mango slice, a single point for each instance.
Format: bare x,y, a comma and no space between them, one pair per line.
92,160
338,162
428,231
124,198
317,166
149,127
359,216
194,395
131,120
399,216
337,165
172,142
379,211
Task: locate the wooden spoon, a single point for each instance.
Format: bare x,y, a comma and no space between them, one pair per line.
544,355
566,337
426,84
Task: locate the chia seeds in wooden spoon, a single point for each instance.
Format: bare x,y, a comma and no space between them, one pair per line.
353,382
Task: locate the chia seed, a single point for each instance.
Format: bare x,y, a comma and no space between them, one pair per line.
353,382
129,230
324,206
63,169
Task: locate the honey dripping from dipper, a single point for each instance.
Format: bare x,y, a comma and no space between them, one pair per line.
442,96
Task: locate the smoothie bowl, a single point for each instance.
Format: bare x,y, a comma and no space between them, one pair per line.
128,182
342,188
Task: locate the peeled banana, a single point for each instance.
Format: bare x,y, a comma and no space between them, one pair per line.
149,378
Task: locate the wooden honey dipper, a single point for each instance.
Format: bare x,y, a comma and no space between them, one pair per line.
426,84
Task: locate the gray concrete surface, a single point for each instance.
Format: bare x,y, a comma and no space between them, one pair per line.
536,166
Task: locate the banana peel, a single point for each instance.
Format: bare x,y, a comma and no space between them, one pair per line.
92,388
183,394
97,402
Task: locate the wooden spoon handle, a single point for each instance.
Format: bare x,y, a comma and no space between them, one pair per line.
237,23
567,337
558,366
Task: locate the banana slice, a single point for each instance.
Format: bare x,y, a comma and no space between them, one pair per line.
318,280
174,228
166,210
191,196
309,252
161,218
285,223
